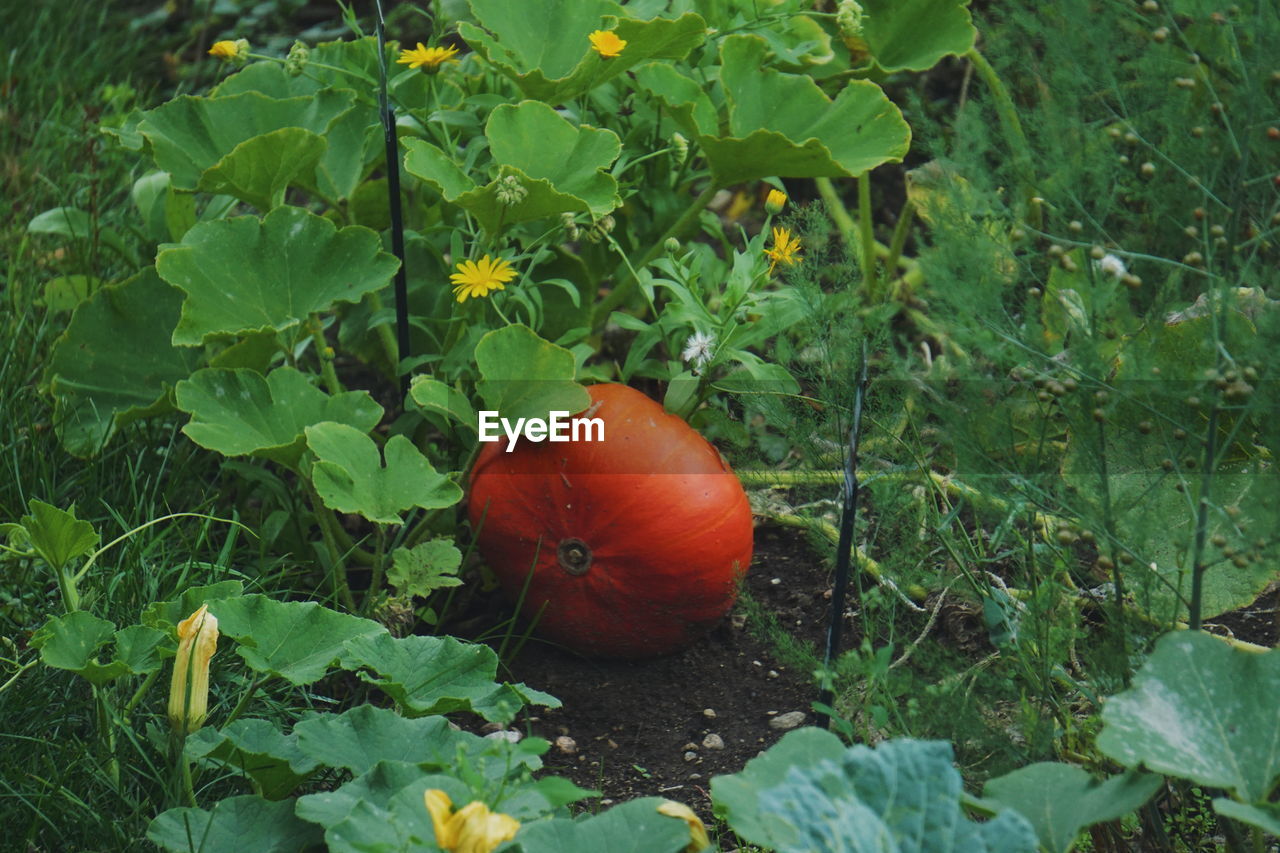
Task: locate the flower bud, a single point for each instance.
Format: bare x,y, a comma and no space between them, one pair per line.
296,61
775,201
681,145
189,690
235,52
511,191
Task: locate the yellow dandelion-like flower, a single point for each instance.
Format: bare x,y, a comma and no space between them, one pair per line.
775,201
429,59
606,43
471,829
785,249
479,278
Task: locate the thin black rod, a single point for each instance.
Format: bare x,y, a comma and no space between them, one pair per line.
393,202
844,549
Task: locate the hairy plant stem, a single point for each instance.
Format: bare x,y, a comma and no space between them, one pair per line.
1198,566
1014,134
138,694
900,231
337,571
622,291
379,568
324,353
107,730
870,279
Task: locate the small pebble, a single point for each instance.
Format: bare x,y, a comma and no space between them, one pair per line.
566,744
690,745
490,728
690,755
695,775
713,741
775,581
773,673
709,713
787,721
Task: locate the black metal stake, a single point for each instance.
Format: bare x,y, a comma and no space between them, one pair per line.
848,514
393,202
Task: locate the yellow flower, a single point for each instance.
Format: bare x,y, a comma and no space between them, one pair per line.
189,690
471,829
785,248
606,43
698,838
428,58
775,201
231,51
478,278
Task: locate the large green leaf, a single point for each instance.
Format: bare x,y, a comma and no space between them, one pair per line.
374,789
393,821
903,795
424,568
349,474
560,167
245,275
438,675
257,749
259,170
56,534
912,35
239,412
635,826
1265,816
543,45
1200,709
524,376
366,735
1059,800
190,136
245,824
434,396
166,615
783,124
116,363
71,642
295,640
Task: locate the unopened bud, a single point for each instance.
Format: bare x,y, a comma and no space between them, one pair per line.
775,201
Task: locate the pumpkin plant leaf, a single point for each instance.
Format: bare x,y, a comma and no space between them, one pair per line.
359,739
434,675
1202,710
432,395
240,412
913,35
428,566
370,792
244,824
902,794
246,274
56,534
393,820
257,749
1059,800
524,376
166,615
350,476
258,170
96,390
783,124
298,641
71,642
66,292
543,45
557,166
62,222
190,136
635,826
1265,816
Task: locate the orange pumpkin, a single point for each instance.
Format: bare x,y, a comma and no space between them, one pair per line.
631,546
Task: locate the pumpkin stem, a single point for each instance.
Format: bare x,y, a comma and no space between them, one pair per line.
575,556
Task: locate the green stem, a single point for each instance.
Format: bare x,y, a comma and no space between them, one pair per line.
1198,566
325,353
243,703
379,557
870,281
188,784
337,571
900,232
1008,117
839,215
107,731
622,291
138,694
67,586
386,337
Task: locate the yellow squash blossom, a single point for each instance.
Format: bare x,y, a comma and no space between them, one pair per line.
231,51
698,838
427,58
189,690
471,829
479,278
785,249
606,43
